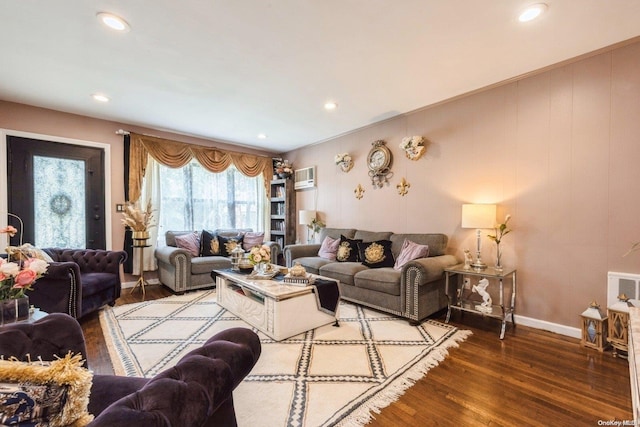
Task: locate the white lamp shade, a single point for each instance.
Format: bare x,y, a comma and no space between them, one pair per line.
305,217
478,216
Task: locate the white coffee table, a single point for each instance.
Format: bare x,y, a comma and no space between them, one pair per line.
275,308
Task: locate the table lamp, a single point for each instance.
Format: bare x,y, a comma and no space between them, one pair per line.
305,218
478,216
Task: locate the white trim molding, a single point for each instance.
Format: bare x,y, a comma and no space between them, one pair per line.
547,326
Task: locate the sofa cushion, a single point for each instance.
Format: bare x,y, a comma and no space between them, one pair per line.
329,248
342,271
251,239
386,280
189,242
372,236
204,265
437,242
410,251
228,244
376,254
95,283
209,243
347,250
312,263
337,232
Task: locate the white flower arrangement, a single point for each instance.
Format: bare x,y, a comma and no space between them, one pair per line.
344,160
413,146
260,254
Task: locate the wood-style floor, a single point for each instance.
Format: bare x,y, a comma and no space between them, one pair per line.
532,377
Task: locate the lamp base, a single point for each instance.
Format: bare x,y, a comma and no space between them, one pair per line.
479,265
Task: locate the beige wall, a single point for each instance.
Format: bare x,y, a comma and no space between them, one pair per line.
24,118
559,151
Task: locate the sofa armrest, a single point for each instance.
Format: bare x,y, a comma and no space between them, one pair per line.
59,290
275,250
168,254
292,252
428,269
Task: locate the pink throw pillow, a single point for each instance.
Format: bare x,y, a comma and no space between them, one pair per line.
190,242
252,239
410,251
329,248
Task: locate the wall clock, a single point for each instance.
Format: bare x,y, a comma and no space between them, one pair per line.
379,162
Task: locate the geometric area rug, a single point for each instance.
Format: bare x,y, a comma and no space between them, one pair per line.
329,376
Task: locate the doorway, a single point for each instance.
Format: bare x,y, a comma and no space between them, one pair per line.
58,190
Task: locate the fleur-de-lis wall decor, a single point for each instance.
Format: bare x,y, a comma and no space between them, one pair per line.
403,187
359,191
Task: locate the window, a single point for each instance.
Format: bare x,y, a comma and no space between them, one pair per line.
192,198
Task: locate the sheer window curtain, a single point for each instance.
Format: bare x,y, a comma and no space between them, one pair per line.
150,192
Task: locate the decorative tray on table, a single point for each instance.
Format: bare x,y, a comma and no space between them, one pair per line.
305,280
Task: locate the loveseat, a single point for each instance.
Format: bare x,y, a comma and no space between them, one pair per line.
183,270
78,281
195,392
414,292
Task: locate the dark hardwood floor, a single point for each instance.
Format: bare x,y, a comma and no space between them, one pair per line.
532,377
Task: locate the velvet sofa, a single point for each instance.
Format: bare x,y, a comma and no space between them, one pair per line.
78,281
195,392
181,270
414,292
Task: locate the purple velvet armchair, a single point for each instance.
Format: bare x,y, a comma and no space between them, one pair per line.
79,281
195,392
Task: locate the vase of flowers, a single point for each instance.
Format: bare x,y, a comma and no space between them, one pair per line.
500,231
283,169
315,226
344,160
139,221
260,257
413,146
18,273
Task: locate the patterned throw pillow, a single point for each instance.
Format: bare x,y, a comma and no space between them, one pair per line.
45,393
410,251
190,242
329,248
29,251
228,244
347,250
376,254
251,239
209,244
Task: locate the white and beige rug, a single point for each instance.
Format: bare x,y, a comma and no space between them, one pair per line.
329,376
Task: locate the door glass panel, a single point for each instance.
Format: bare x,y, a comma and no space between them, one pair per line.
59,202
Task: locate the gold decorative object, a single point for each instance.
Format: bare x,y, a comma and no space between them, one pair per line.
359,192
413,146
344,161
379,162
403,187
594,328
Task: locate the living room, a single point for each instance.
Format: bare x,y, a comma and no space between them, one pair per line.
555,148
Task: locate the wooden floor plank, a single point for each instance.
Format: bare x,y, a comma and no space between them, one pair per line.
531,378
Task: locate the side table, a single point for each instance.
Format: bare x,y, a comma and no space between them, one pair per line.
461,300
141,280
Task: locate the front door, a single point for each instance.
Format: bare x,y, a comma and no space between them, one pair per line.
57,190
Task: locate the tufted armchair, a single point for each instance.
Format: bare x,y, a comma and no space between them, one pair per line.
79,281
195,392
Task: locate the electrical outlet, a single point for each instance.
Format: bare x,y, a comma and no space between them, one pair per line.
467,283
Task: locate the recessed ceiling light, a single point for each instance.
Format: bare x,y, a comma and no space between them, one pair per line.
532,12
100,97
114,22
330,106
262,136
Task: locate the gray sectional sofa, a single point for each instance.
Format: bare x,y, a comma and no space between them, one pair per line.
414,292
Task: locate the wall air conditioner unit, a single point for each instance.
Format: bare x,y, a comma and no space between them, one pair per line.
305,178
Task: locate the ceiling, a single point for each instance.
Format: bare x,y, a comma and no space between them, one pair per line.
230,69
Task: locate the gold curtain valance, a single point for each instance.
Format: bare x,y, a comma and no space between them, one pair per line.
177,154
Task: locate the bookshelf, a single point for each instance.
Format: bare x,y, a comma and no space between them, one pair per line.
283,212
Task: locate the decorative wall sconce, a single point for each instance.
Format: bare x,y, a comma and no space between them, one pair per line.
359,191
345,161
403,187
413,146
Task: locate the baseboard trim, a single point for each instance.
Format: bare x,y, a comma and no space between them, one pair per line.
548,326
